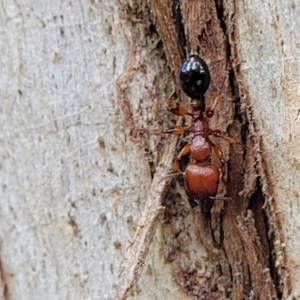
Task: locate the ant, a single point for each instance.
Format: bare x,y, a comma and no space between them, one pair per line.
201,178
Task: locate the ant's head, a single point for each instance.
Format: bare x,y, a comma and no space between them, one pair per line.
194,77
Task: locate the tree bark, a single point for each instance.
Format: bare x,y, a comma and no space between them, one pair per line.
88,207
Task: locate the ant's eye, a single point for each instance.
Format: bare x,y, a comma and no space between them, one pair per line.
194,77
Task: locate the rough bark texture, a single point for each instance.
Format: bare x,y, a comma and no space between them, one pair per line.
73,184
268,77
86,212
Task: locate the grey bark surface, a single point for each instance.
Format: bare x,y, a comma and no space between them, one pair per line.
78,85
65,159
74,180
265,43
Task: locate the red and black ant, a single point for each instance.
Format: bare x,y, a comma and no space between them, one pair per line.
201,177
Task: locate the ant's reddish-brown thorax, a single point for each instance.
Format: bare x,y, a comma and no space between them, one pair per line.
200,127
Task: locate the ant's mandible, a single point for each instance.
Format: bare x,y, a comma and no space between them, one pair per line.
201,178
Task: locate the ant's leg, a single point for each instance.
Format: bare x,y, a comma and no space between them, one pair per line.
210,110
192,200
220,198
186,186
230,65
230,140
184,151
174,130
220,156
178,110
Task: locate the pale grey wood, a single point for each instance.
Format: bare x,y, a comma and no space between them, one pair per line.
69,203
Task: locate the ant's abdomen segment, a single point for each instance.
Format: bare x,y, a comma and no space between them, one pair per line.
201,180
